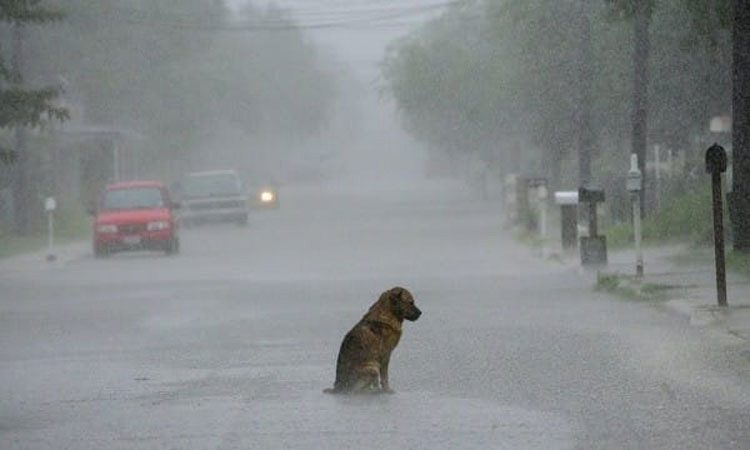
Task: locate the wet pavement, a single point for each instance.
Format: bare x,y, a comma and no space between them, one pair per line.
230,343
689,275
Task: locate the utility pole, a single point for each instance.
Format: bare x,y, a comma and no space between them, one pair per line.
583,108
21,199
642,44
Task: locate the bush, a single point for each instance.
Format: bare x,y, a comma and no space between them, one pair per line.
684,216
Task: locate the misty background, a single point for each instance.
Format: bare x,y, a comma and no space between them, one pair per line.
284,92
295,92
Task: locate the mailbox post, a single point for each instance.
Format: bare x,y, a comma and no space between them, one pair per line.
543,198
568,202
716,164
593,246
522,203
50,205
633,184
540,186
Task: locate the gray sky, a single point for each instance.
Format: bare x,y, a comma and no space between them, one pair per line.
357,31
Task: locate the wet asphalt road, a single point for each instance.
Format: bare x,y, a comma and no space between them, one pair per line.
229,344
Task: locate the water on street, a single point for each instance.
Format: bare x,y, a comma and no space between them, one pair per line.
230,343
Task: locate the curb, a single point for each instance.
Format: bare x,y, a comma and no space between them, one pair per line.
63,254
699,315
702,315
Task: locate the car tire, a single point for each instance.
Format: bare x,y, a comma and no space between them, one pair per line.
100,251
172,247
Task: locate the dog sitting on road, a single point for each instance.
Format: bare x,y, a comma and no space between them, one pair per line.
362,365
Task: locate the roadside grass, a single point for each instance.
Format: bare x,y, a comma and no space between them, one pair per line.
736,262
739,262
693,255
71,224
619,235
631,288
684,217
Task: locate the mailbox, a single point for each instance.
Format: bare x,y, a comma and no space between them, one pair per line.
590,194
50,204
634,181
716,159
566,198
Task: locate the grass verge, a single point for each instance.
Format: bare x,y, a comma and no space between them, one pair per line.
686,216
71,224
630,287
739,262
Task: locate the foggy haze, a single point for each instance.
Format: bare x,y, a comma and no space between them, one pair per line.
237,186
379,152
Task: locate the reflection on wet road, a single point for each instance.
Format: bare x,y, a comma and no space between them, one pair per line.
229,344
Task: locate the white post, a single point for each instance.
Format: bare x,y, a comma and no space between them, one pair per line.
634,181
637,232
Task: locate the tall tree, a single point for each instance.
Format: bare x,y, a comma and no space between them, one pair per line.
741,125
21,107
640,12
185,75
641,49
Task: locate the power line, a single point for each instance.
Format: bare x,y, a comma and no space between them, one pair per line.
347,19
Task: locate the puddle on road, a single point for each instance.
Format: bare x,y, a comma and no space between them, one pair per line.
403,420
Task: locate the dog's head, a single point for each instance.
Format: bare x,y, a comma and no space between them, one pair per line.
401,304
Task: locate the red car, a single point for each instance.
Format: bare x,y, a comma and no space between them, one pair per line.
136,215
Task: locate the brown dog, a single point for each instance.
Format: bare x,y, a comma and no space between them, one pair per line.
362,365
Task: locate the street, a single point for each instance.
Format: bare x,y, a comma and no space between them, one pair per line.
230,343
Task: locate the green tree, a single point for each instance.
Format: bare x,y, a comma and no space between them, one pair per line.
709,18
741,125
20,106
512,66
180,72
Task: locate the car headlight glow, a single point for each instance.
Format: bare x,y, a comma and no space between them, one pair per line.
106,228
266,196
157,226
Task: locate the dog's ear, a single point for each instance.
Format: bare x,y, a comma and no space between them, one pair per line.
395,294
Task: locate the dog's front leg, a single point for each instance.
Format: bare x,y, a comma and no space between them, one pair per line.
384,383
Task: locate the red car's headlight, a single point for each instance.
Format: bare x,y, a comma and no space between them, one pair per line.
106,228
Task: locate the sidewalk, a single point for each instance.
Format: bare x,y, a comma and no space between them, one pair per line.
64,253
692,273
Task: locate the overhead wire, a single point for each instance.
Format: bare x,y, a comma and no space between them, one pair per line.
347,19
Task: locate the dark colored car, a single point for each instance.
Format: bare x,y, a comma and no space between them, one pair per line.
136,215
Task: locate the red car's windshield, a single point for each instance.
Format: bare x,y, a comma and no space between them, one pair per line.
133,198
